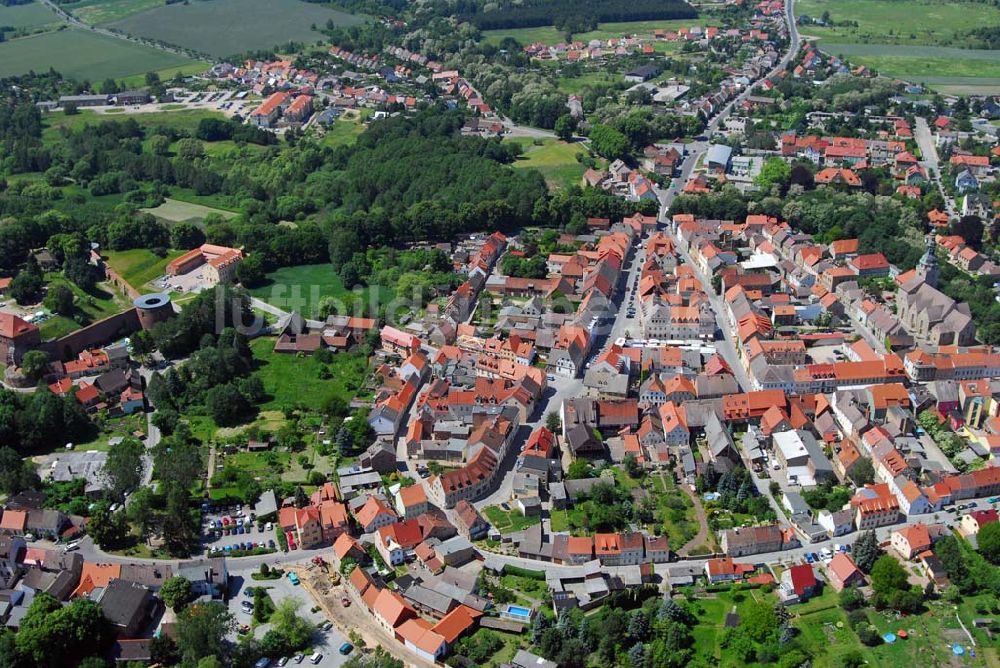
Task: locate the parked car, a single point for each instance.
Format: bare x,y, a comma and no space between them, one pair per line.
298,658
293,578
317,657
346,648
282,661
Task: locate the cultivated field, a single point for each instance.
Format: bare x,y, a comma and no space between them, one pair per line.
82,55
915,22
97,12
176,211
224,27
34,15
549,35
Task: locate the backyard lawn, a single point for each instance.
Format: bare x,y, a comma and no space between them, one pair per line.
139,265
674,511
292,380
510,521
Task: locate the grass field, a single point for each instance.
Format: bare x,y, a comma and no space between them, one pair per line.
224,27
291,380
183,120
176,211
303,287
139,265
932,65
82,55
549,35
914,22
33,15
346,128
573,85
166,74
98,304
555,159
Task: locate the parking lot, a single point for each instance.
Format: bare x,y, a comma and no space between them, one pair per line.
326,643
231,520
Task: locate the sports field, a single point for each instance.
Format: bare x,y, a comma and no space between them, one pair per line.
97,12
82,55
33,15
224,27
914,22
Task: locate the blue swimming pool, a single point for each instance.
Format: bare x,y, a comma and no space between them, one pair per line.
517,612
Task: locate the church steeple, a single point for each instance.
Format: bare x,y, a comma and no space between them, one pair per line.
927,268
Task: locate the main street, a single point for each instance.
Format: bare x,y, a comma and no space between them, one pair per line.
700,146
930,160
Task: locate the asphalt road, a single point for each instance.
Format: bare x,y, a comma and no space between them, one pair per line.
930,159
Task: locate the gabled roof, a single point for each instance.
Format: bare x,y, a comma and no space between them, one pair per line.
802,578
842,567
457,622
373,508
391,607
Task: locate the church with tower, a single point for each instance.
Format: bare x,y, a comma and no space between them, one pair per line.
931,317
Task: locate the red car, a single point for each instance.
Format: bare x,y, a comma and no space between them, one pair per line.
291,541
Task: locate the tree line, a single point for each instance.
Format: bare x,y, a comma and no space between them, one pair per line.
572,13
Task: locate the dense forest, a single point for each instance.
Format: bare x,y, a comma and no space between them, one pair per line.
573,15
